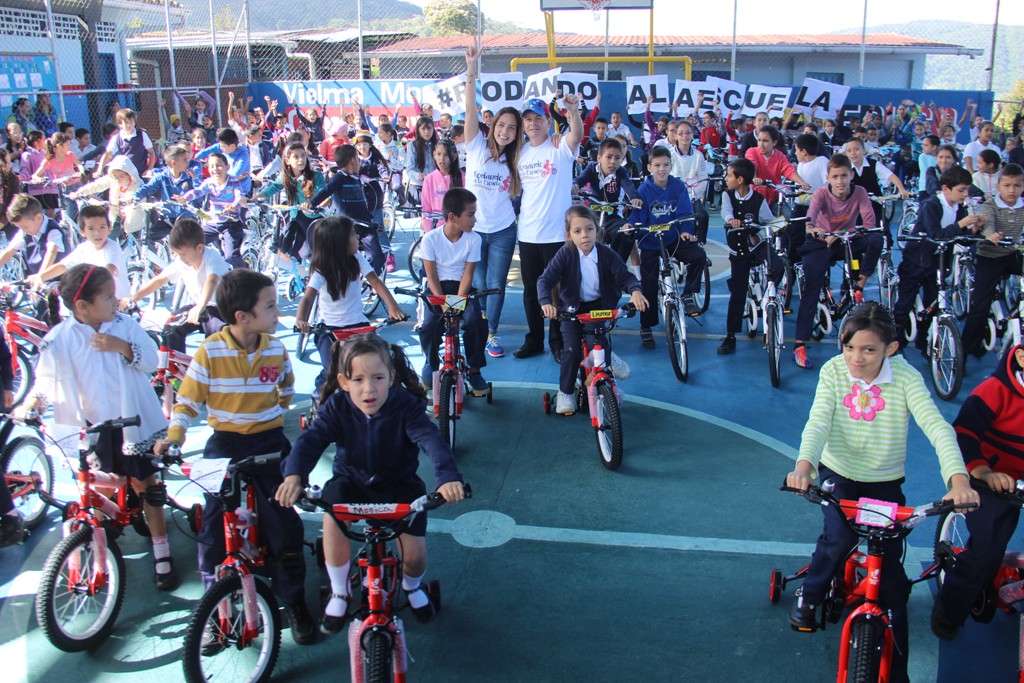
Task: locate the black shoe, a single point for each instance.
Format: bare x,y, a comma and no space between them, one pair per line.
646,338
300,621
556,353
942,627
12,530
803,616
527,350
690,307
422,614
168,581
728,346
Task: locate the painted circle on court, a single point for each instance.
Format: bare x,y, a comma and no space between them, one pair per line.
483,529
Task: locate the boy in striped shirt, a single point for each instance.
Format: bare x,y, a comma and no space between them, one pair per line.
244,377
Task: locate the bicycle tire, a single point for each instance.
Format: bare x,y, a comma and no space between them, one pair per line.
609,426
252,259
867,637
950,532
822,322
447,412
773,343
750,317
787,284
377,657
370,298
302,341
991,338
24,375
27,455
79,633
675,341
907,222
216,666
947,360
963,284
137,278
703,294
413,261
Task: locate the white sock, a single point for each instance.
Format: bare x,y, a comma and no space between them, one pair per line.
419,598
336,607
161,549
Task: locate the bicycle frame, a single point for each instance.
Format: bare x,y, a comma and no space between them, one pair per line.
453,362
595,374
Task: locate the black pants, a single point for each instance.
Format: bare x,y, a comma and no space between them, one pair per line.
533,259
987,273
280,528
175,335
914,277
991,526
229,235
572,354
690,253
739,277
818,257
836,542
474,332
294,237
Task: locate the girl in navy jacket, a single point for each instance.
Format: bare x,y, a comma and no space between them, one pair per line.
373,409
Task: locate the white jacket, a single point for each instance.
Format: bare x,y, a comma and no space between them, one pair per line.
692,170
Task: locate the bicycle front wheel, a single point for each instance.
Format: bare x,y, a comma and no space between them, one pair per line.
675,341
703,295
963,283
25,455
448,410
377,655
220,646
867,636
773,342
413,261
951,536
609,426
79,595
947,360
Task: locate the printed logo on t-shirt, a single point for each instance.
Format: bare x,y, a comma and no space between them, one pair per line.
548,169
537,169
491,181
659,209
269,374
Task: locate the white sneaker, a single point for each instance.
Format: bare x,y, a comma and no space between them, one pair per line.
565,404
620,368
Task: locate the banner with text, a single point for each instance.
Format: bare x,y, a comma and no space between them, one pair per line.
643,89
501,90
820,98
543,85
693,96
583,85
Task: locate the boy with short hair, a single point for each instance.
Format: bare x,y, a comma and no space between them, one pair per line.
616,128
200,271
239,166
665,198
449,258
345,190
96,248
609,182
39,237
929,149
590,148
940,217
131,142
1002,217
168,182
82,147
245,354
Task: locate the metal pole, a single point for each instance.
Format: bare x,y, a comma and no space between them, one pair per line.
248,42
732,59
56,62
992,50
863,42
216,68
359,21
479,37
650,44
170,56
607,25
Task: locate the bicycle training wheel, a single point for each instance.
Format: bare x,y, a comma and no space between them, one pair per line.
217,648
26,456
750,317
675,341
77,605
609,426
947,360
703,294
907,222
447,413
24,375
773,342
867,636
950,540
302,341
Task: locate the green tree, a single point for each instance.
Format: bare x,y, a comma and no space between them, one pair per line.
1011,108
451,17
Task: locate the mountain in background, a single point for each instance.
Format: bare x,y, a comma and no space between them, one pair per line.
964,73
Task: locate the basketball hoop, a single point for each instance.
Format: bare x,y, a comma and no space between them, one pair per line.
595,6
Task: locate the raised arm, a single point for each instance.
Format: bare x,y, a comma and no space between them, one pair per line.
572,111
472,128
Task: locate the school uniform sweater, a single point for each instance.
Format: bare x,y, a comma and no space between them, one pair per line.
999,217
564,272
860,432
929,223
990,426
242,395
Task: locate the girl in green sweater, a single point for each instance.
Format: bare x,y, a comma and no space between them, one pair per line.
856,436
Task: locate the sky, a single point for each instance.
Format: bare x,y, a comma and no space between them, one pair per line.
677,17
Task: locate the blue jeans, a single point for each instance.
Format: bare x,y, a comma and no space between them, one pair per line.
492,271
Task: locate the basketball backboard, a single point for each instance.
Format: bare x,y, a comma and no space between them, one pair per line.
552,5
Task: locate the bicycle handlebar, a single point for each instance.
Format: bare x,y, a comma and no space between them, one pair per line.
627,310
116,423
372,326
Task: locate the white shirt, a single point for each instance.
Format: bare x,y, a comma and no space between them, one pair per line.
98,377
590,282
194,279
948,211
255,160
450,257
621,129
347,310
973,149
112,144
815,172
883,174
546,174
110,254
489,180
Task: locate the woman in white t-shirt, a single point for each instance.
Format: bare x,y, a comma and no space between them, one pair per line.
492,175
335,270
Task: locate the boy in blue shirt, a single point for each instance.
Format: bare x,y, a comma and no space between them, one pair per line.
239,165
169,181
665,198
606,180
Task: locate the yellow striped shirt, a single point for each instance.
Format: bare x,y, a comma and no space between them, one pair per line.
242,395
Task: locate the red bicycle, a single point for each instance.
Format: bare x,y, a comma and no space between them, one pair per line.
28,470
595,384
866,646
23,334
376,637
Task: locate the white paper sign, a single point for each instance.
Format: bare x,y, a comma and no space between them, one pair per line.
730,94
771,100
36,80
448,96
542,85
20,81
688,95
5,82
640,88
501,90
823,98
208,473
584,85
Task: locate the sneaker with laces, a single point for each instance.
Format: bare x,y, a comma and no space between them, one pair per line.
620,368
803,617
478,384
494,347
801,358
389,265
646,338
690,307
565,404
728,346
300,621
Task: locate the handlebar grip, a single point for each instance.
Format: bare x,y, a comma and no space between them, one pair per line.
118,423
467,490
407,292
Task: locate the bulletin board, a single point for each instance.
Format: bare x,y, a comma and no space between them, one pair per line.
22,75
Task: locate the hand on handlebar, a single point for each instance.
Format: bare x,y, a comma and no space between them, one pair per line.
800,477
194,314
999,481
303,326
637,202
960,491
639,300
290,491
549,311
397,314
161,445
452,492
995,237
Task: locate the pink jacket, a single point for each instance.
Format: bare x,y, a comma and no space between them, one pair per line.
435,186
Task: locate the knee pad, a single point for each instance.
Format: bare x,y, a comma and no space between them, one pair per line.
156,495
